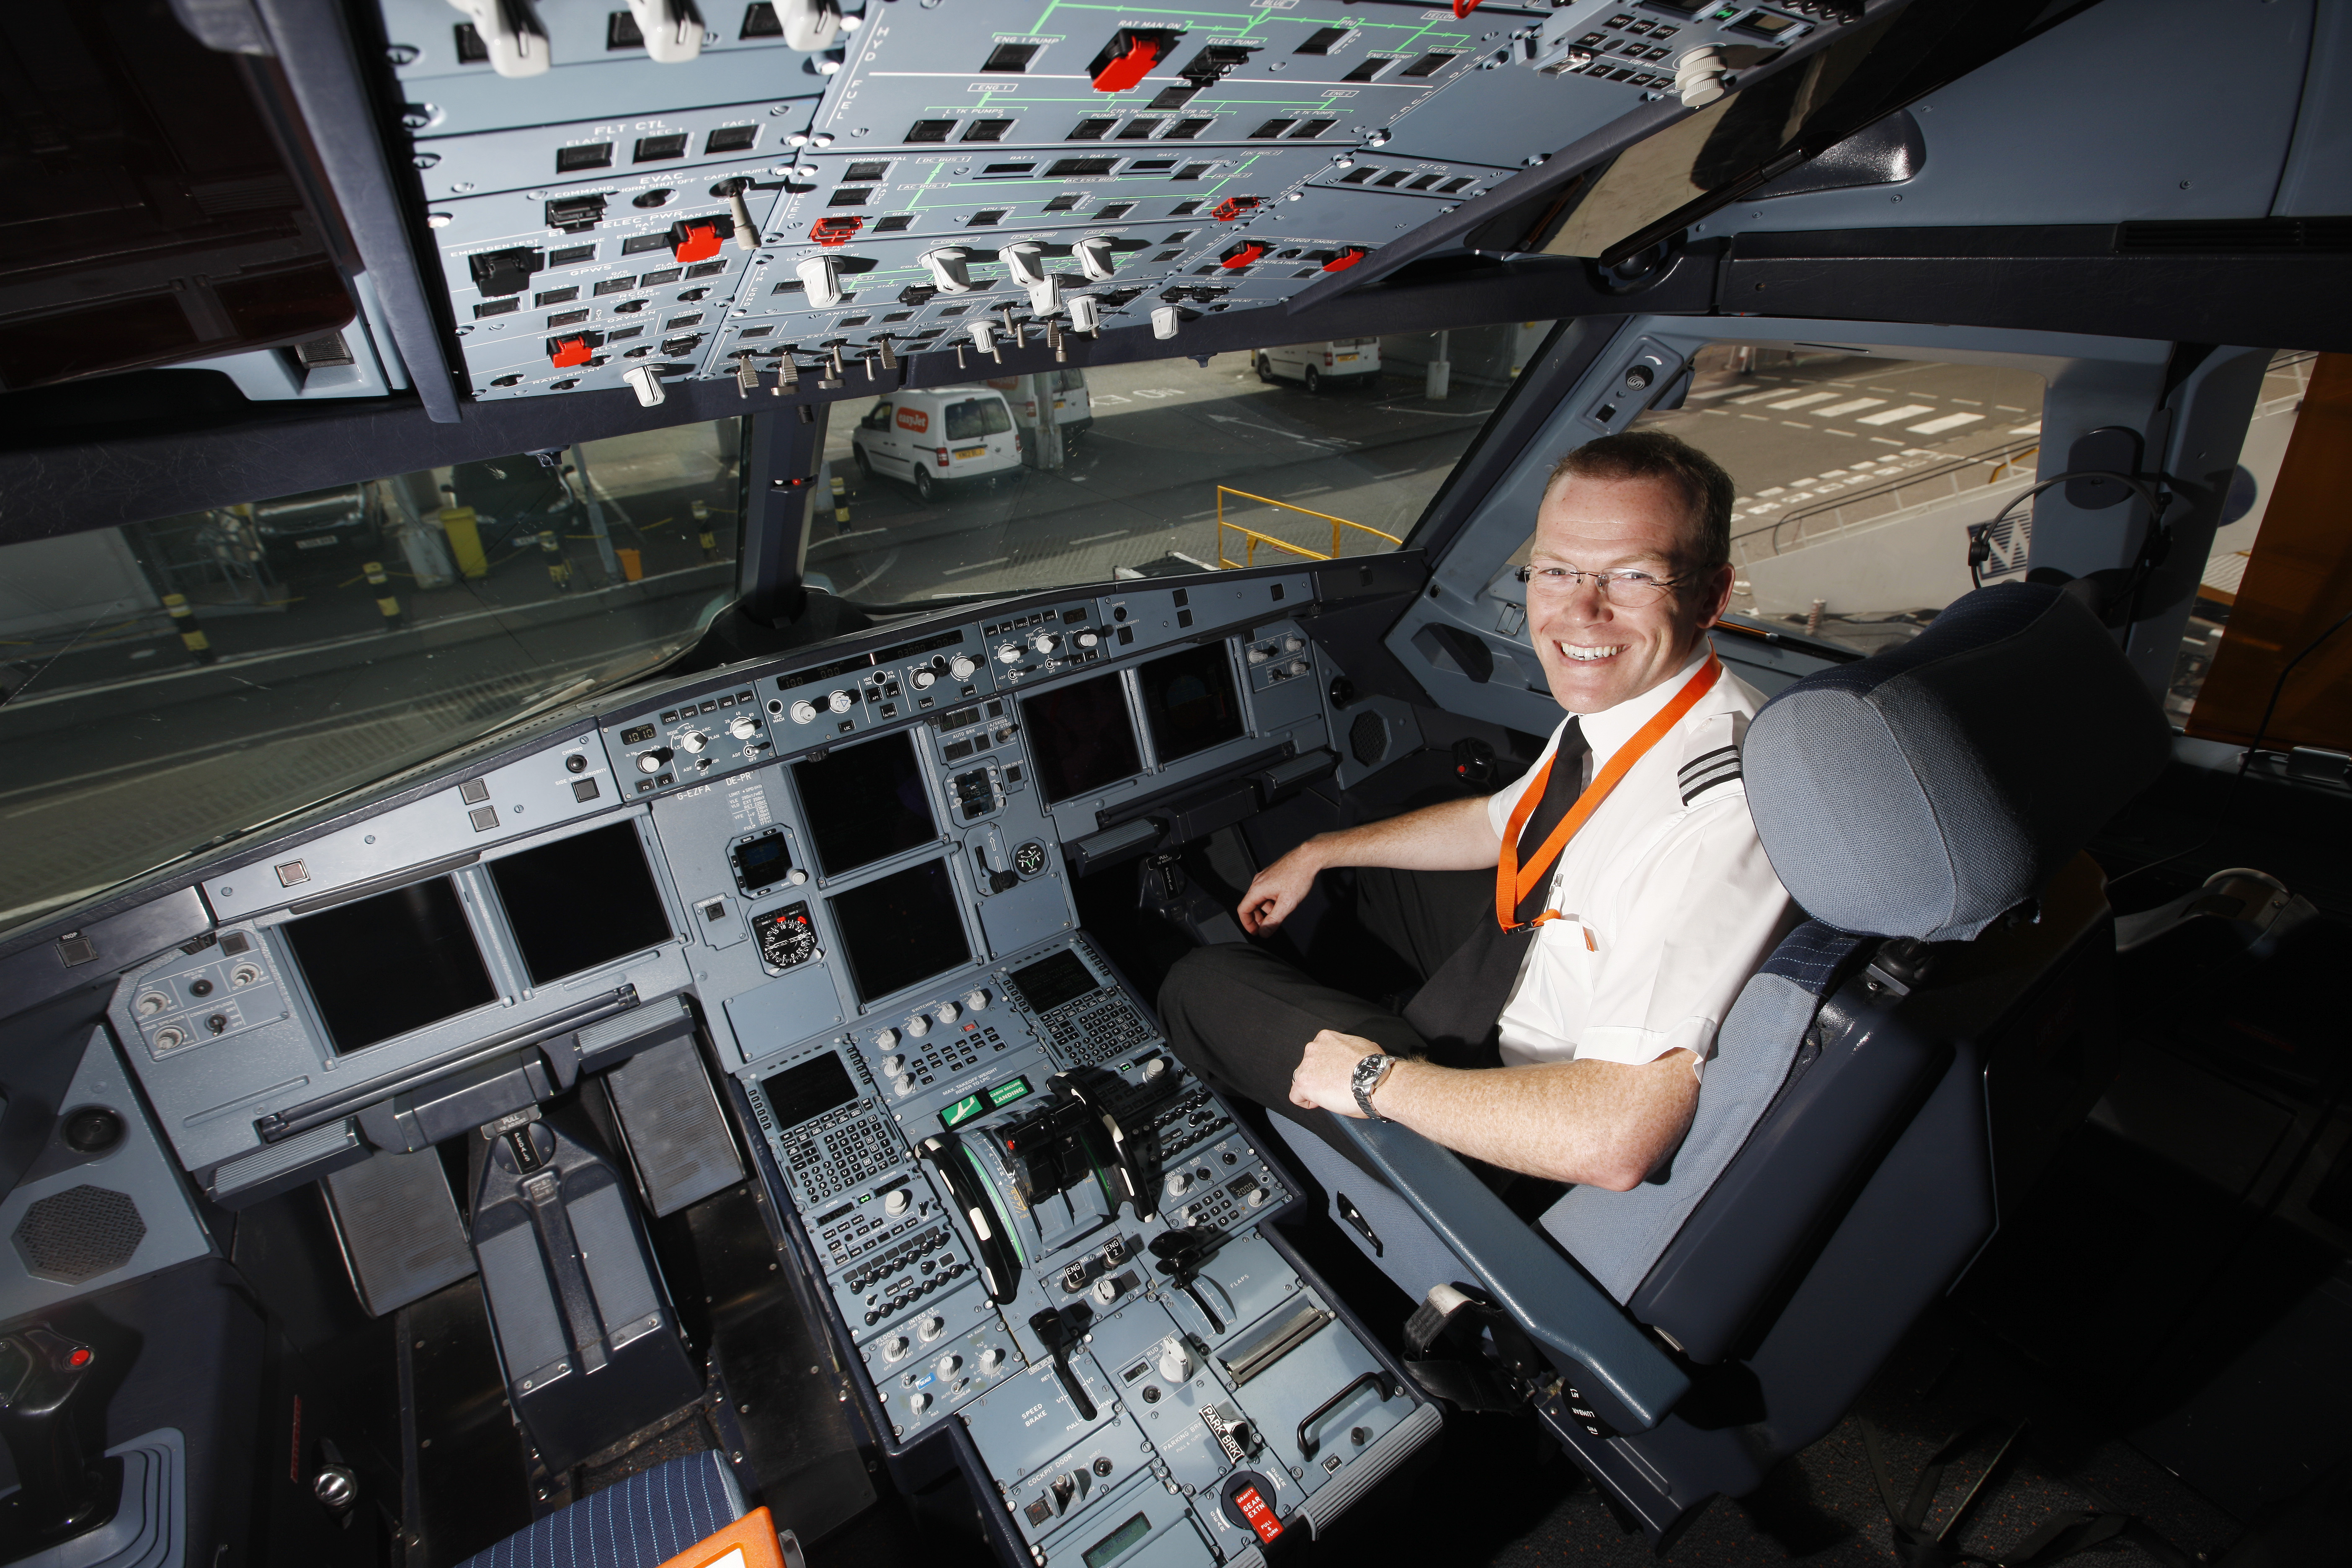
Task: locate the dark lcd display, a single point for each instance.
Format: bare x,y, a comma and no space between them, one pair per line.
1189,701
864,803
902,929
581,902
1050,981
1080,737
381,966
812,1088
762,862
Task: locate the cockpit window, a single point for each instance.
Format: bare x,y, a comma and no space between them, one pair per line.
1289,453
167,684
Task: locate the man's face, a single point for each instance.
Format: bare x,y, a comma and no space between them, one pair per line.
1596,653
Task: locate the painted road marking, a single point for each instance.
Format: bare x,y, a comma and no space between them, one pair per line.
1948,422
1808,399
1889,416
1852,406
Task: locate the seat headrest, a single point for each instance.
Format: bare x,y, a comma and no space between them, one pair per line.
1926,790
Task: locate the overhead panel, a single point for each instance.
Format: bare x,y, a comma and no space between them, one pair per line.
799,188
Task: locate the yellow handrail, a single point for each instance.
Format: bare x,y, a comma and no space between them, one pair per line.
1249,554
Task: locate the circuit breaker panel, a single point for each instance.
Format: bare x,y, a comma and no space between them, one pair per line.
781,189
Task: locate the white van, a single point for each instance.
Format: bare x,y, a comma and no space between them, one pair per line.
1342,360
1073,408
933,437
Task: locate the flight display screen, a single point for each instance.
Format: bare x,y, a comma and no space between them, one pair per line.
812,1088
384,965
1050,981
864,803
1189,701
1080,737
581,902
902,929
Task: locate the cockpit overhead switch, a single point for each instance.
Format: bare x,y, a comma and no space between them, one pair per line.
512,34
949,266
821,276
672,29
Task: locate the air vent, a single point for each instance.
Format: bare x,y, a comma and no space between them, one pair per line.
2228,237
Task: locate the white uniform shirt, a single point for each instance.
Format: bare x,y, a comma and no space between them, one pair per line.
1668,903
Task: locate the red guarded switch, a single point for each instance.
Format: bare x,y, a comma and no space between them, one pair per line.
834,232
1464,7
1243,254
1125,70
1232,207
1345,259
570,352
700,242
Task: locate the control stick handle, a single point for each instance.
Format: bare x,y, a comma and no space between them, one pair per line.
62,1493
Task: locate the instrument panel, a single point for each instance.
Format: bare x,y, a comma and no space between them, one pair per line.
851,872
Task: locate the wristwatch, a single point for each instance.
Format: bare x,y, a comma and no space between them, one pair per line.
1371,1072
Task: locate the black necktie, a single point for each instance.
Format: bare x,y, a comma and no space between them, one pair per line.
1562,787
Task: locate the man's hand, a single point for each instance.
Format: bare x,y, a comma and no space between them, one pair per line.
1275,891
1325,1073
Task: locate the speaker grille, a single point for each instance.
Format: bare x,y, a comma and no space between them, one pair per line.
1368,738
80,1234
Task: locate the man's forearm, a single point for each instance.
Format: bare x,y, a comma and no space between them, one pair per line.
1453,836
1593,1124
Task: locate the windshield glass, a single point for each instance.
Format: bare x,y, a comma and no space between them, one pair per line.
170,684
1291,452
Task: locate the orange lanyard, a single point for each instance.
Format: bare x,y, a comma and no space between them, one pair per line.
1513,883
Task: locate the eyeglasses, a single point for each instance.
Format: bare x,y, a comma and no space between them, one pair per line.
1626,590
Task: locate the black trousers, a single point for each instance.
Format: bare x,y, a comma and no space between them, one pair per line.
1241,1017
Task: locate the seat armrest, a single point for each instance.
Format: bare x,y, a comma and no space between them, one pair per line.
1558,1306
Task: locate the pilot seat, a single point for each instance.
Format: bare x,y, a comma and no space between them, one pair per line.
1892,1078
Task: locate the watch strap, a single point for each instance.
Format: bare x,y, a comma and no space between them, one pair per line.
1371,1072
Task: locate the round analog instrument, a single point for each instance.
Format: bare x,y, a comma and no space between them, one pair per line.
1030,858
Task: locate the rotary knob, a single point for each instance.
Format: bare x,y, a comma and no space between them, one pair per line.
991,1359
897,1347
1154,1068
1292,644
931,1327
1175,1366
949,1012
1088,639
653,762
1179,1185
918,1026
1009,654
694,739
894,1066
803,712
742,726
883,1040
923,679
960,669
948,1365
896,1202
1298,666
919,1401
839,701
153,1002
1258,655
976,1001
1045,642
1105,1291
902,1085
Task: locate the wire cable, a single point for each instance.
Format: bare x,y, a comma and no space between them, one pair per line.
2262,731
